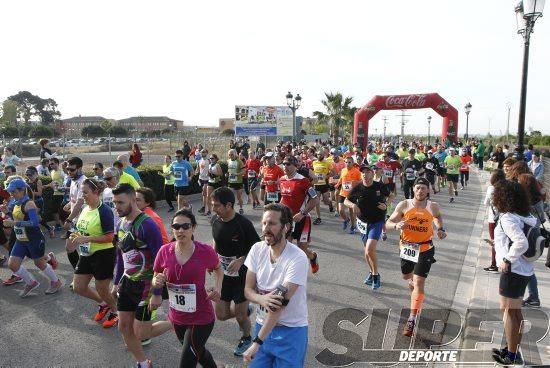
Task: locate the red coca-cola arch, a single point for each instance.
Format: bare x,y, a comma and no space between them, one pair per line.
401,102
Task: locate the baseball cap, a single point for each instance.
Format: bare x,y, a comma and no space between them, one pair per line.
16,184
452,149
422,181
430,151
365,166
269,154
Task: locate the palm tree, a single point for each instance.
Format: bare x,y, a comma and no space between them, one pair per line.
338,114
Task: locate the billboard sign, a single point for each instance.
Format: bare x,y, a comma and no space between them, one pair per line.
263,120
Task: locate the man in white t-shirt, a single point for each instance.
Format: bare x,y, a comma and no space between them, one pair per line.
74,207
276,281
202,168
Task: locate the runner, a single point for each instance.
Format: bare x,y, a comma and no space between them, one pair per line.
29,241
430,167
183,172
94,241
452,164
368,201
271,174
215,174
411,166
276,281
35,183
233,236
295,190
145,199
125,178
169,182
253,166
413,218
110,177
391,169
441,155
235,172
337,165
323,171
202,167
466,160
182,267
74,206
350,177
138,240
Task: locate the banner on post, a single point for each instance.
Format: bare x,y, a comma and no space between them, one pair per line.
263,120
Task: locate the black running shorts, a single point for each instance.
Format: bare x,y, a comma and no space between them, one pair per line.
133,296
182,191
233,289
101,264
323,188
235,186
422,268
452,178
512,285
302,230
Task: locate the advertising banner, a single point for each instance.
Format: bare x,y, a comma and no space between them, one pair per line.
263,120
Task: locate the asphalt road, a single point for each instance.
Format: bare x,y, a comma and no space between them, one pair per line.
58,330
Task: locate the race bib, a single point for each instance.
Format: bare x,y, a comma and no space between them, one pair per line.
346,186
183,298
251,173
409,251
232,178
84,249
21,233
464,167
451,167
410,175
388,173
361,226
272,196
320,178
225,261
430,166
178,175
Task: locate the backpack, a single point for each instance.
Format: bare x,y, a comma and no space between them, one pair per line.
537,242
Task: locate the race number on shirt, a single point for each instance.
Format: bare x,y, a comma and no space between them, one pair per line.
272,196
409,251
183,297
251,173
178,175
464,166
346,186
21,233
361,226
232,178
388,173
429,165
225,262
410,174
84,249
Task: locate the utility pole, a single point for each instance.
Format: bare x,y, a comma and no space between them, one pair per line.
384,134
403,121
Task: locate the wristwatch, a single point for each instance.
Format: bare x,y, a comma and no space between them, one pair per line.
258,341
304,213
506,261
441,229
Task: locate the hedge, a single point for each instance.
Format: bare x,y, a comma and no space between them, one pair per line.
149,175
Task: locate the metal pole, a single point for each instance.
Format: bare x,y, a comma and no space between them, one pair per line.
293,121
467,121
109,144
523,96
508,124
429,124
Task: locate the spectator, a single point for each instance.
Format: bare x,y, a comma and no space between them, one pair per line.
43,168
98,171
498,156
136,158
512,203
45,151
492,216
480,154
10,159
186,151
537,167
528,154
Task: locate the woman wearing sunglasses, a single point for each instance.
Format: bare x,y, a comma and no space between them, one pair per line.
182,267
94,243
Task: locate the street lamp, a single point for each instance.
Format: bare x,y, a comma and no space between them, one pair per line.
467,109
429,124
527,13
294,104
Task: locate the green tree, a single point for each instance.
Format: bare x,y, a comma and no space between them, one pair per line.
338,115
93,131
41,131
29,106
8,115
117,131
106,125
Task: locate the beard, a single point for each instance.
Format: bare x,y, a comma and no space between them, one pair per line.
274,238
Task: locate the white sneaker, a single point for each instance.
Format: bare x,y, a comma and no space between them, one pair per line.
54,287
28,288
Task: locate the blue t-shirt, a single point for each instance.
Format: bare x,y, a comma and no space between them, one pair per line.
440,156
181,170
131,171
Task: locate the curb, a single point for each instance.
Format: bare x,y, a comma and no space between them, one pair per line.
467,279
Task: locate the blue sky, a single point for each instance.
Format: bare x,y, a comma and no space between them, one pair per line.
195,61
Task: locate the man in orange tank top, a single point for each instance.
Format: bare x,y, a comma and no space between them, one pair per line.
414,218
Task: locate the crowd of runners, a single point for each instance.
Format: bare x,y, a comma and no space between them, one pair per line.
114,235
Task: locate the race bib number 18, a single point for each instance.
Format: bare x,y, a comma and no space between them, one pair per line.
183,298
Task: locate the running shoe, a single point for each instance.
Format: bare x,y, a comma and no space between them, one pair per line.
456,192
58,228
54,287
53,260
384,236
507,361
241,211
111,321
171,209
244,344
531,303
28,288
145,342
14,279
451,200
461,188
491,269
71,286
501,352
336,214
345,224
375,282
202,210
101,313
408,330
352,230
3,260
314,263
317,221
331,208
368,280
208,213
148,364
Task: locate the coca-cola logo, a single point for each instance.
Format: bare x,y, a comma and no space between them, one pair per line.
406,101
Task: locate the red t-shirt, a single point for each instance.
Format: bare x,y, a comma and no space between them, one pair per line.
466,161
390,169
152,214
294,192
253,165
192,272
272,174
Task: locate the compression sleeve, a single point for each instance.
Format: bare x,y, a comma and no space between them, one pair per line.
32,221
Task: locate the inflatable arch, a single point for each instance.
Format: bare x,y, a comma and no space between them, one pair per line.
408,102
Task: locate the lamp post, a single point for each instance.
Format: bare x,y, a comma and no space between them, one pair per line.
294,104
429,125
509,107
467,109
527,13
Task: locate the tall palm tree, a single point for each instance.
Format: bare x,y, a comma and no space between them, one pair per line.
339,114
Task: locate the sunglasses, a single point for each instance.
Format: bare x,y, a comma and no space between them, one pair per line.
287,164
108,178
97,168
178,156
184,226
71,169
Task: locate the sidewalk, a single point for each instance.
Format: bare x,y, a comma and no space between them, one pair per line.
484,305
